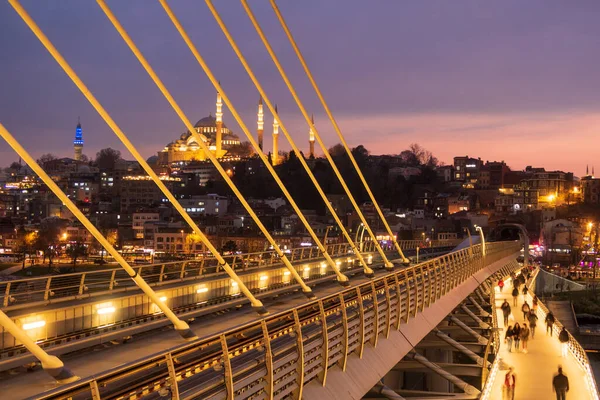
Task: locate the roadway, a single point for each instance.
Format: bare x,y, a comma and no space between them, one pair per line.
114,354
536,369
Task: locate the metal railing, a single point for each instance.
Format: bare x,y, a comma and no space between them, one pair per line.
42,290
274,357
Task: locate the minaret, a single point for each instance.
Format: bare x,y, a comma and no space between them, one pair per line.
78,142
219,120
587,170
260,122
311,137
275,155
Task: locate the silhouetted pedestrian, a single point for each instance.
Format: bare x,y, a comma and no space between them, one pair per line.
524,337
525,309
508,337
549,322
515,294
517,335
563,338
532,318
505,311
560,385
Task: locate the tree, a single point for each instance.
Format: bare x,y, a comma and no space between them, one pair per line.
190,241
45,159
106,158
337,150
47,237
15,166
24,244
244,149
229,246
111,236
76,250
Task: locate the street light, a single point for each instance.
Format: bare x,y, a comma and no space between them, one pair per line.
470,242
182,244
478,228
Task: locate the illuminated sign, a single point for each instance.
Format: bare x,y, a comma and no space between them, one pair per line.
471,166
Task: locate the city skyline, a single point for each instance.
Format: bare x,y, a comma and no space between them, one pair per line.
436,82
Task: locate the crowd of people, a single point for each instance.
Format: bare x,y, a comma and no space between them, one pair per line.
518,335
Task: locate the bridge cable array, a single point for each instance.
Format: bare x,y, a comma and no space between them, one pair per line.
333,122
186,121
53,364
123,138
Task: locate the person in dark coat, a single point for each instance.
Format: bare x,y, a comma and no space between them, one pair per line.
517,335
549,322
515,294
563,338
508,337
560,385
505,311
525,309
532,318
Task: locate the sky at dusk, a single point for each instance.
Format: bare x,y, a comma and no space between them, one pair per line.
511,80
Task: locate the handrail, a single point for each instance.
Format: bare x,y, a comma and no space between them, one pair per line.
383,301
23,292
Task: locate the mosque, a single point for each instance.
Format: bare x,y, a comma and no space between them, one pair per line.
220,141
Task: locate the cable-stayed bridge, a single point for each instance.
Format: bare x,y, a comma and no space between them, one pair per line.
356,319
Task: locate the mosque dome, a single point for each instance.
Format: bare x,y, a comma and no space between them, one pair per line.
207,122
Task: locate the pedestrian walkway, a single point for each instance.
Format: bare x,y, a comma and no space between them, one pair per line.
535,370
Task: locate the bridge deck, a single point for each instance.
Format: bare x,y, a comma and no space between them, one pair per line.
536,369
91,362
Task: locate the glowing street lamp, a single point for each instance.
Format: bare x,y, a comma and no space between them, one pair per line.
478,228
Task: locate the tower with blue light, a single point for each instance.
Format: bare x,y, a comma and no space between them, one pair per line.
78,142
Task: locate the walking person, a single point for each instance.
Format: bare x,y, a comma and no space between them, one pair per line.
535,304
510,383
549,322
517,336
515,294
525,337
505,311
501,284
563,338
508,337
532,318
525,291
560,384
525,309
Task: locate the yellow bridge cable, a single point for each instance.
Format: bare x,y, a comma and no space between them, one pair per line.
181,326
335,125
256,304
340,277
368,271
267,45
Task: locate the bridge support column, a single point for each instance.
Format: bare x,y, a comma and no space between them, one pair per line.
466,328
474,317
476,304
459,347
464,386
386,392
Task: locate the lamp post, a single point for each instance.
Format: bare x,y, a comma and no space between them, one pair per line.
182,244
478,228
362,235
470,242
326,233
